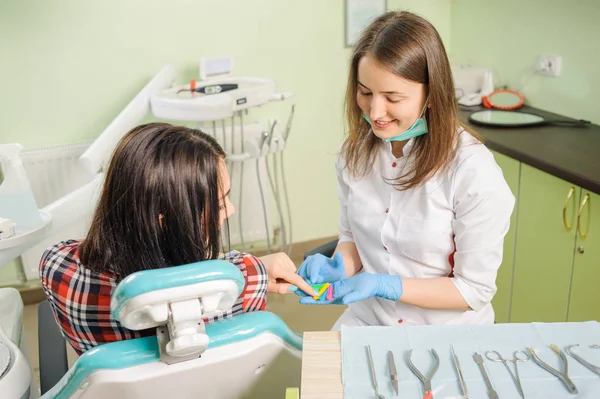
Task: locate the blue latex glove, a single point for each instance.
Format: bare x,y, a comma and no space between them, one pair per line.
319,269
360,287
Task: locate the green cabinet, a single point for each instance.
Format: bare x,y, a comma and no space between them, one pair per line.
501,302
550,270
545,244
551,266
584,301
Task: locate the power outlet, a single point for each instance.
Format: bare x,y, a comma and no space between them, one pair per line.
549,65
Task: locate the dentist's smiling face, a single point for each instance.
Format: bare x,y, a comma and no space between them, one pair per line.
392,102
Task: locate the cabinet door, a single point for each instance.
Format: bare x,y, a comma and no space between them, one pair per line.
585,288
546,224
511,170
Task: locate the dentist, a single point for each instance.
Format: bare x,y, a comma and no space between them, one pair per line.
424,206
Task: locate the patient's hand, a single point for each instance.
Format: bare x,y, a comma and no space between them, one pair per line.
282,274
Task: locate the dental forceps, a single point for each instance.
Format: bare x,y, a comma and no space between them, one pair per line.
425,380
518,356
588,365
564,376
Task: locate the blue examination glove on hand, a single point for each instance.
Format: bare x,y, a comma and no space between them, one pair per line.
319,269
360,287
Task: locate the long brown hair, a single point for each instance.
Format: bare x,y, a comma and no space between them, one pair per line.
408,46
157,171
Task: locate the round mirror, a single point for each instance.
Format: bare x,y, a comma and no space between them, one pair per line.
505,118
504,99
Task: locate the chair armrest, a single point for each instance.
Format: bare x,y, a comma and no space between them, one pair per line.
326,249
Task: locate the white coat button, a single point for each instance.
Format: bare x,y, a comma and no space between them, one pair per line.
394,164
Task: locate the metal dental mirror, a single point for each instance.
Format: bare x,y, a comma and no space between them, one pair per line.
497,118
505,118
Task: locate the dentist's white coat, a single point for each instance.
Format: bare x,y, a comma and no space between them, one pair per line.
413,233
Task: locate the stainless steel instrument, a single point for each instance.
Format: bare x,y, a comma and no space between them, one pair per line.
479,360
564,376
461,379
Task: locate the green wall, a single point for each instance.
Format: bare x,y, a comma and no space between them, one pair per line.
509,35
436,11
68,67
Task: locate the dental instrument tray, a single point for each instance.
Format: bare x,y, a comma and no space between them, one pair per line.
188,103
493,348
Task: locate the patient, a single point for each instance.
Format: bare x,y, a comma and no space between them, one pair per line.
163,204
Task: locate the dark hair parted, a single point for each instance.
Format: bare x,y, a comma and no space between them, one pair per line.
158,171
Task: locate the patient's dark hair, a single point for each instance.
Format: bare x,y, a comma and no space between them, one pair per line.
157,169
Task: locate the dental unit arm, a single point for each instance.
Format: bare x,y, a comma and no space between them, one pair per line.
220,97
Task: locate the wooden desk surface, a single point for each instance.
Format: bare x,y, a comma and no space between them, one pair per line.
321,366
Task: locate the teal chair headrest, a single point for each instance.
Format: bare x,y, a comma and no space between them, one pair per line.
142,300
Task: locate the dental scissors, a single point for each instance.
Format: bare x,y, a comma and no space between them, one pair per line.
425,380
518,356
564,376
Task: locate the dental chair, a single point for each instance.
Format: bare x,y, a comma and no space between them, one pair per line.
16,376
253,355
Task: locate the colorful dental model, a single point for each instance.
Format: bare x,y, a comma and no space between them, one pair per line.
320,289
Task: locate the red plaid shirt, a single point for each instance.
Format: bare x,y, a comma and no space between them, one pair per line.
80,297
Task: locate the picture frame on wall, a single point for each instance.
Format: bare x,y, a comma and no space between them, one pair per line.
358,15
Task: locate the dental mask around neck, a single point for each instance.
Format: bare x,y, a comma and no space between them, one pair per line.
417,129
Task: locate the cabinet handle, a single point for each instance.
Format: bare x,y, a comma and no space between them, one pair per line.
583,203
569,195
